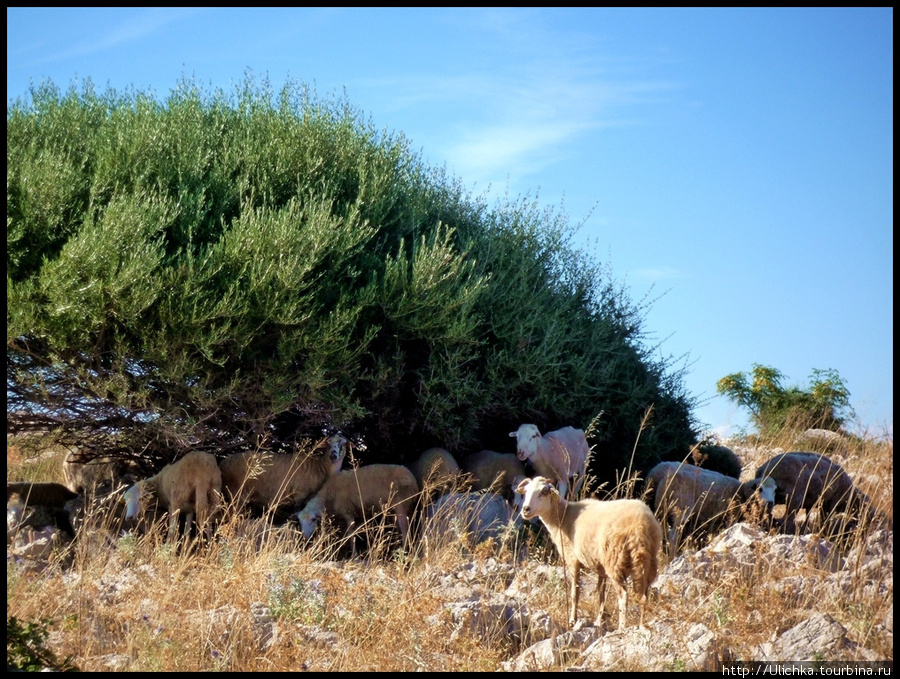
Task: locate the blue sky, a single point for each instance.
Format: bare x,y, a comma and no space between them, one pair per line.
735,166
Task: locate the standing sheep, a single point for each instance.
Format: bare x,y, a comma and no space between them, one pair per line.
498,472
356,495
691,499
561,455
616,538
192,485
807,480
270,480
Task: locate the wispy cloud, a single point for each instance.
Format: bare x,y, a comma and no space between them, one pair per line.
143,24
525,112
658,274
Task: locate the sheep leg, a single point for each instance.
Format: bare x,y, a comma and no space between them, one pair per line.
204,501
575,574
403,525
173,525
622,591
601,591
350,534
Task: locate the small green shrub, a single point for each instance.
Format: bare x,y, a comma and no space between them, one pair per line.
26,650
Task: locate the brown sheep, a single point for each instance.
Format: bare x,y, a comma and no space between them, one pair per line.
47,494
716,458
85,475
356,495
192,485
689,499
807,480
270,480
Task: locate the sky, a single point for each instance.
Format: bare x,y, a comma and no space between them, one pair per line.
732,167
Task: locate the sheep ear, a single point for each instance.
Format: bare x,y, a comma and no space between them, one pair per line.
520,489
513,434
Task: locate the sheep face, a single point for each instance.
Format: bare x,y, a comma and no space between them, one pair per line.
337,451
764,489
527,437
538,495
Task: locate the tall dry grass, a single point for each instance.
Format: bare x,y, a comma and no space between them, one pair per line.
260,599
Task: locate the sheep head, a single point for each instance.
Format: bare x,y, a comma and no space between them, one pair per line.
527,437
764,489
309,517
539,495
337,451
758,498
133,497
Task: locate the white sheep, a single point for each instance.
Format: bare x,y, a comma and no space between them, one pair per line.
192,485
472,517
436,469
691,499
561,455
806,480
498,472
357,495
616,538
269,480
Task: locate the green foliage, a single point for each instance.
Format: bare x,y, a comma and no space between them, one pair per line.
227,270
774,408
26,649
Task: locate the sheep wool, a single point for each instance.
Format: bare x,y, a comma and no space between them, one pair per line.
561,455
693,500
618,539
499,472
192,485
265,479
356,495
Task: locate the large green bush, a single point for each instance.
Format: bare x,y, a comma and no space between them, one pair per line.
226,270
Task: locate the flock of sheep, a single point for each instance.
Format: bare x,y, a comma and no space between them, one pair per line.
617,539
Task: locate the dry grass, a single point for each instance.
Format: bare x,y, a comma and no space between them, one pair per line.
259,599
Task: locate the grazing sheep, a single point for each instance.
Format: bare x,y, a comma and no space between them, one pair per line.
806,480
473,517
270,480
355,495
561,455
437,470
689,499
84,476
499,472
192,485
616,538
